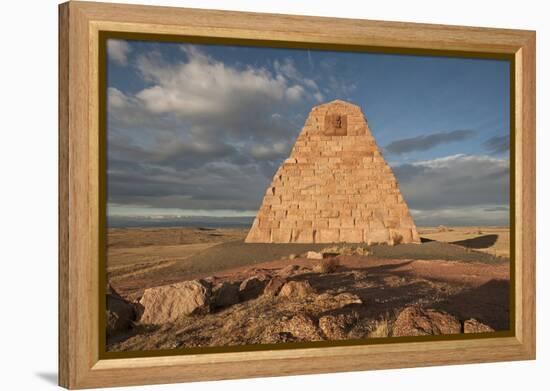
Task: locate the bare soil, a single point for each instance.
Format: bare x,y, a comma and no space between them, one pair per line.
459,271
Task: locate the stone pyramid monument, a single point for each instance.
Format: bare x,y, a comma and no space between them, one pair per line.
334,187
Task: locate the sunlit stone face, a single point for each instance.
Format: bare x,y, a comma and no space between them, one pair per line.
336,124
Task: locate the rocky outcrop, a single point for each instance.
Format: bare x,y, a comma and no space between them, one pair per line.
474,326
225,294
168,303
296,289
415,321
327,265
274,286
252,287
329,302
120,314
314,255
303,327
334,327
288,271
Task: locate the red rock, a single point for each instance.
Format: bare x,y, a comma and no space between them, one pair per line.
329,302
296,289
120,314
334,327
252,287
415,321
288,271
475,326
225,294
314,255
168,303
274,286
303,327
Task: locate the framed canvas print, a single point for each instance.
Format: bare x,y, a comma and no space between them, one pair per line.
248,195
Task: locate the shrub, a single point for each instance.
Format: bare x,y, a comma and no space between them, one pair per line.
327,265
380,329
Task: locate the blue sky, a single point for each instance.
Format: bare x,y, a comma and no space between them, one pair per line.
199,130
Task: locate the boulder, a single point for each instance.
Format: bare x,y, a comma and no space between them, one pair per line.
120,314
168,303
329,302
252,287
288,271
327,265
303,327
296,289
225,294
274,286
415,321
475,326
314,255
112,291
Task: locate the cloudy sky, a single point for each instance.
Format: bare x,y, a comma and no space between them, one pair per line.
199,130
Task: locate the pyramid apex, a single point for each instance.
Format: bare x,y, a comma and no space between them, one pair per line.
334,170
338,102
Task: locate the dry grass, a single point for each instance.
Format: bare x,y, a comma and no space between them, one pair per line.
380,329
346,250
327,265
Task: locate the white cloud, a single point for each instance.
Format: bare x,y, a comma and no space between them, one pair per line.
204,87
287,68
459,188
270,151
295,92
318,97
485,215
116,99
118,51
340,87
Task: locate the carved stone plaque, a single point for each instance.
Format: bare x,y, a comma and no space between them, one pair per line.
336,125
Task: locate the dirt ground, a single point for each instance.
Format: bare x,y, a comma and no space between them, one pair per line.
463,271
139,258
491,240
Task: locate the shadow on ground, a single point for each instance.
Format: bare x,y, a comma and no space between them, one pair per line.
488,303
386,290
484,241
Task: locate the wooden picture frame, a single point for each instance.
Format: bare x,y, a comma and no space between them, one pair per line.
81,364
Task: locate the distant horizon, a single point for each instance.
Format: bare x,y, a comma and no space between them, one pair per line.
218,222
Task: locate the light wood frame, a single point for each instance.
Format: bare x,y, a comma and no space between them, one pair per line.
80,365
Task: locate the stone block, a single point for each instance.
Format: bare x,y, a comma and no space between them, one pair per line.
351,235
327,235
376,237
391,223
376,224
405,235
347,222
330,213
259,235
334,223
287,223
335,186
320,223
303,235
281,235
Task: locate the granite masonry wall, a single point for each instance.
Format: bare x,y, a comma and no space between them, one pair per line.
334,187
